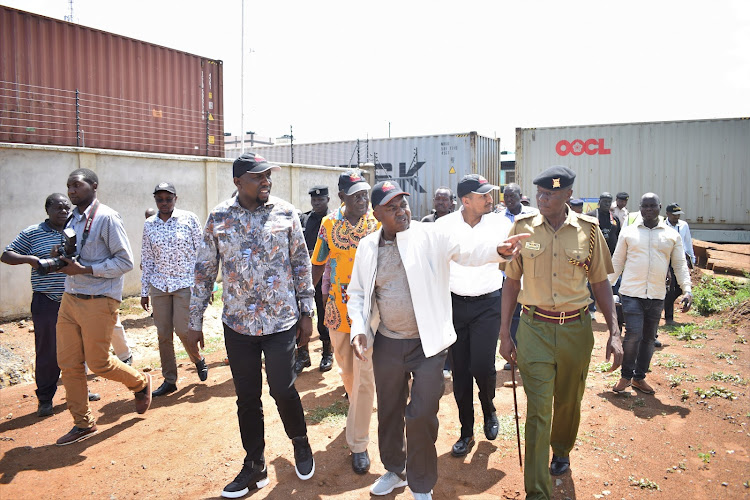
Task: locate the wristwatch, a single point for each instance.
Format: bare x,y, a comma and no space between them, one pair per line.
309,314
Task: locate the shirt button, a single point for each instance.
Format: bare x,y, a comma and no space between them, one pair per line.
554,255
554,295
554,274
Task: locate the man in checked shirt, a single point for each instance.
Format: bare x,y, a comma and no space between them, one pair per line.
268,303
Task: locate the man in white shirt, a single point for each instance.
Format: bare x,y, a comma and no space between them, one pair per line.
476,293
619,210
399,299
644,253
673,288
171,239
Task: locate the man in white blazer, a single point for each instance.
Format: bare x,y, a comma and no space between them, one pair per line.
399,299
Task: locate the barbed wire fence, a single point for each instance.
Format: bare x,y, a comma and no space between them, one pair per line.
42,115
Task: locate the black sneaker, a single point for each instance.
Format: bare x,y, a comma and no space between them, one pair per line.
253,475
45,409
304,463
202,369
302,360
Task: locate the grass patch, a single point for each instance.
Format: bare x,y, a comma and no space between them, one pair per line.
687,333
676,380
685,395
727,356
602,367
671,362
130,306
693,345
714,294
726,377
715,391
712,324
334,414
637,403
740,339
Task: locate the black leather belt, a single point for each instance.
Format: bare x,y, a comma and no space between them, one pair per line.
466,298
87,297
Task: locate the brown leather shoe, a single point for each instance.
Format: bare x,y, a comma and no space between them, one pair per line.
143,397
643,386
621,385
76,434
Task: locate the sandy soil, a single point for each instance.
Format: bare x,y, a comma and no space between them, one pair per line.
674,444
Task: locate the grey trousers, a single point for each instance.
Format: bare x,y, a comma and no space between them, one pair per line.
394,363
171,314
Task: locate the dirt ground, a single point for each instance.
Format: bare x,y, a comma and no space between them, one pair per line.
673,445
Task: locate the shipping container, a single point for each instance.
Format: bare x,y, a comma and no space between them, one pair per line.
704,165
66,84
420,164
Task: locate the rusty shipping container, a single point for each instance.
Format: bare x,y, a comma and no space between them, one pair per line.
420,164
70,85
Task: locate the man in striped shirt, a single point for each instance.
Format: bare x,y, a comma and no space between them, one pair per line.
32,244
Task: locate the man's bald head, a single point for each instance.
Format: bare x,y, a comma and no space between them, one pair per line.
650,208
651,196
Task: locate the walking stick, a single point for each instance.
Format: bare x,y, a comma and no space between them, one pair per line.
515,410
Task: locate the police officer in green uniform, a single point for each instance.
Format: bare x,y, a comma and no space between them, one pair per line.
554,339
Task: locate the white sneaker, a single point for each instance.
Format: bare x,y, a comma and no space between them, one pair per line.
387,483
422,496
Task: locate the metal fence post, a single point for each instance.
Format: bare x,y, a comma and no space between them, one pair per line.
78,119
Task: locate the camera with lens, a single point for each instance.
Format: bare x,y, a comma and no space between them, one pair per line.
68,250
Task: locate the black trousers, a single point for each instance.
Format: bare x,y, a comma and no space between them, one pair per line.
477,324
673,291
44,315
244,353
320,306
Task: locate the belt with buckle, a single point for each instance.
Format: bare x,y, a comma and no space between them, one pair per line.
87,297
554,317
467,298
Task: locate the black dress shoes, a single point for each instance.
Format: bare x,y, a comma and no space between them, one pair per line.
491,426
164,389
361,462
202,368
559,465
462,446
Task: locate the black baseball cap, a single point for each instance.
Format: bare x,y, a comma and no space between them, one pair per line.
474,183
605,196
318,191
622,195
556,177
385,191
576,202
253,163
351,182
165,186
674,208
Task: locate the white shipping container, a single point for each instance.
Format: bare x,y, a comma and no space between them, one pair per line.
703,165
421,164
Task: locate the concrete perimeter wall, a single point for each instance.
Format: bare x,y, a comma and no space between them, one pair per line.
30,173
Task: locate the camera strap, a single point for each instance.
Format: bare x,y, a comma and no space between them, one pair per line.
89,222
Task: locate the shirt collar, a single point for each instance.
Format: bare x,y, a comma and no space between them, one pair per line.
236,204
86,213
570,219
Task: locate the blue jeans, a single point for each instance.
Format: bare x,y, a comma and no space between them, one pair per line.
641,321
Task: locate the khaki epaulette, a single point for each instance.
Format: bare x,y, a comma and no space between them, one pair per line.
588,218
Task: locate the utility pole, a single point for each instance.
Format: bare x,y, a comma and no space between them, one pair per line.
291,140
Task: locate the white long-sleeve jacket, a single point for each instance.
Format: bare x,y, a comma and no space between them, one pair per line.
426,252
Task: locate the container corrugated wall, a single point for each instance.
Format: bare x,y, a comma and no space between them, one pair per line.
70,85
422,163
704,165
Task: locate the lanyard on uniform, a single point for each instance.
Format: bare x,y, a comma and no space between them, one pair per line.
89,221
